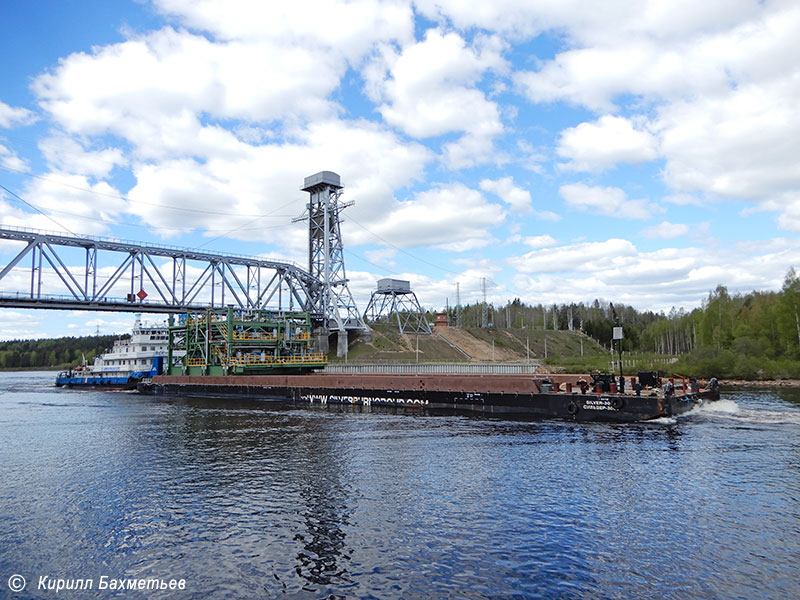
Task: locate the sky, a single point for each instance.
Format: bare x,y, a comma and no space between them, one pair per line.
642,154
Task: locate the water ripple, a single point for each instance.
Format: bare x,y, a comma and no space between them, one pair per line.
248,499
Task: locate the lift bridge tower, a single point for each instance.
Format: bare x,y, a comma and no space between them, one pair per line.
331,298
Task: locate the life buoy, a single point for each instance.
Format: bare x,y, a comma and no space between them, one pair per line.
563,386
617,403
572,408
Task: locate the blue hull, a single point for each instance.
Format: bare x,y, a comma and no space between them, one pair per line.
85,379
119,383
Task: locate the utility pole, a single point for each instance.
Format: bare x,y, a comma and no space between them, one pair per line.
458,305
485,307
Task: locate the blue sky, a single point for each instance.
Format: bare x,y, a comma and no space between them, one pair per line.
639,154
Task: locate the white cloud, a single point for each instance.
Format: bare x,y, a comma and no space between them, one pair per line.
721,82
452,217
164,76
683,200
661,50
347,28
21,325
429,89
384,257
10,159
604,143
657,280
583,23
471,150
12,116
66,154
593,77
789,218
666,230
539,241
744,144
265,180
608,201
74,204
517,198
588,256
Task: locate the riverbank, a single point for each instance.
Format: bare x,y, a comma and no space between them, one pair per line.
760,383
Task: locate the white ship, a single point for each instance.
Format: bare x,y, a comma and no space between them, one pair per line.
127,363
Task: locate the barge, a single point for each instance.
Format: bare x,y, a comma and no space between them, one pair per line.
569,397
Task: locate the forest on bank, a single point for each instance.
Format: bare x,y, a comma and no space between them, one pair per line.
57,353
755,335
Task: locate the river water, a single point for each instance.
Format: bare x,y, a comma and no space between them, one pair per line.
253,499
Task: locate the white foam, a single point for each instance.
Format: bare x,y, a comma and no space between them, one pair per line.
664,420
720,406
728,409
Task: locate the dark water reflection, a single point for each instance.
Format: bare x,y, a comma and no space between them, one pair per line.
249,499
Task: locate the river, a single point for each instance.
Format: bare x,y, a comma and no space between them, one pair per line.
258,499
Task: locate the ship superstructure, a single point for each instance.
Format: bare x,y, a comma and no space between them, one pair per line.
128,362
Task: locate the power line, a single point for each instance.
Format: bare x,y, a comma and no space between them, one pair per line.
422,260
126,199
256,218
361,258
125,224
244,225
388,243
37,210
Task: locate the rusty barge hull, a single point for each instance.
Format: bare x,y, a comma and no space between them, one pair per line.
521,395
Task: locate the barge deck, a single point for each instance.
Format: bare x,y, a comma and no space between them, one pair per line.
556,396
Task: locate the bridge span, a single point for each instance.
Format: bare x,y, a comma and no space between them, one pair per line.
60,271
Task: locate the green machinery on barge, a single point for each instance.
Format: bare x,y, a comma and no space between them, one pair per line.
242,342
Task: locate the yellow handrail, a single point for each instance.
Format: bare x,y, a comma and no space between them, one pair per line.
297,359
254,335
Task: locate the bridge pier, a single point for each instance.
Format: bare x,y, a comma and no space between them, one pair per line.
341,343
320,337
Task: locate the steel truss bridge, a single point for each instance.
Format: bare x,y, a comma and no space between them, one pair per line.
58,271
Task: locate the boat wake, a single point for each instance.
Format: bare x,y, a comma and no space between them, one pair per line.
728,409
664,421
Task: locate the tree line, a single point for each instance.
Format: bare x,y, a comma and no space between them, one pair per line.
53,353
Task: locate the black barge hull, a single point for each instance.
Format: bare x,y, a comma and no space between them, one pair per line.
492,394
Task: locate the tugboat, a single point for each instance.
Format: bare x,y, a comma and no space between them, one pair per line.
648,397
126,364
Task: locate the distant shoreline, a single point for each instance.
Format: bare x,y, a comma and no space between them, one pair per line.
20,369
760,382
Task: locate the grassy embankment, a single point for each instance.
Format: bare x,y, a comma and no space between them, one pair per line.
471,344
